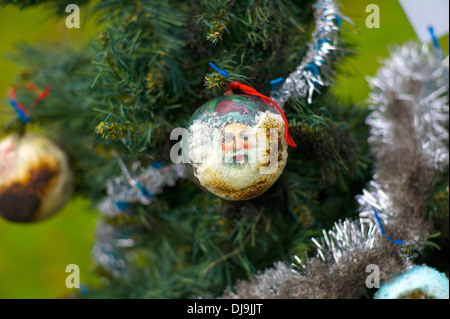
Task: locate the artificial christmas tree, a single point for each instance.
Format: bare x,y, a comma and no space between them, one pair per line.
115,103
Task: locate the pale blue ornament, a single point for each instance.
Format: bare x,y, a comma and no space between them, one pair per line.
423,278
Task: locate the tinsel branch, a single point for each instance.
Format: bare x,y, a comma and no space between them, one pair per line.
316,68
139,185
336,272
113,244
409,123
409,139
114,232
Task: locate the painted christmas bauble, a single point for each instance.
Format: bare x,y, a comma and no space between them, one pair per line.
35,178
235,147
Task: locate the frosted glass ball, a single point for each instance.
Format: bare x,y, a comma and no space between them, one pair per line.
35,178
235,147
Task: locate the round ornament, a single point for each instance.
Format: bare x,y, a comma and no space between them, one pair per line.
420,282
35,178
235,147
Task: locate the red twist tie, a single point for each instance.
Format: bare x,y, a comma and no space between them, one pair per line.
20,106
30,87
41,96
235,85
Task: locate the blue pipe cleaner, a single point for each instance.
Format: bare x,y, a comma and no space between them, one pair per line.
382,230
19,112
275,83
121,205
223,72
144,190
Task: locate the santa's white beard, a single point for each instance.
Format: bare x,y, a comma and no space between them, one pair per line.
225,177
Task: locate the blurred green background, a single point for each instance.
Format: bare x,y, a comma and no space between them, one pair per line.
33,257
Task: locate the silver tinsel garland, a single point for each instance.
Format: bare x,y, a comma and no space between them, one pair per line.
115,233
409,123
409,134
138,185
418,78
112,245
316,67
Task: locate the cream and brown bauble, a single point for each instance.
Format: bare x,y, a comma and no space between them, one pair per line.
235,147
35,178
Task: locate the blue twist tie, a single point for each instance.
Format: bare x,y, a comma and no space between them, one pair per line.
144,190
382,230
224,73
313,68
157,164
399,242
322,41
19,112
338,21
436,45
275,83
379,222
121,205
438,50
